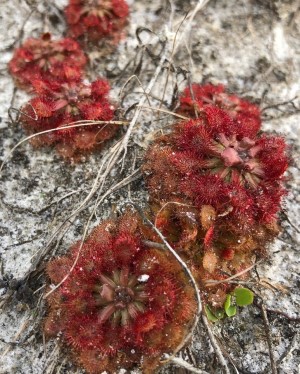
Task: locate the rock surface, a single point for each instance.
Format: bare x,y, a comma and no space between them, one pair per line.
252,47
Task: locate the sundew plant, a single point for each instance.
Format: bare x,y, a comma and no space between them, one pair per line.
147,182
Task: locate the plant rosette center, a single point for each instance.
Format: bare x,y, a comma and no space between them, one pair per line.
120,297
46,52
97,8
70,95
224,101
237,159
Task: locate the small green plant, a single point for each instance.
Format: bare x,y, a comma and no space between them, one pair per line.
243,296
230,309
214,315
238,297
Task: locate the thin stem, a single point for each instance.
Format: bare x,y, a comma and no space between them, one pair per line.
186,270
180,362
215,344
68,126
212,282
269,338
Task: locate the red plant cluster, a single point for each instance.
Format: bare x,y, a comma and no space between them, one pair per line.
124,304
53,71
209,164
60,104
45,58
196,98
95,19
216,183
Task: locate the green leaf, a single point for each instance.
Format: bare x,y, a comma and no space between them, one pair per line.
243,296
219,313
227,302
230,310
210,315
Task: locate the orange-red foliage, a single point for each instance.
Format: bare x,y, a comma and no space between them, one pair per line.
45,58
96,19
216,184
123,304
61,103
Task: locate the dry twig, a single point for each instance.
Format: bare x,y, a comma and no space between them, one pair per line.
212,282
289,350
215,344
186,270
269,338
181,363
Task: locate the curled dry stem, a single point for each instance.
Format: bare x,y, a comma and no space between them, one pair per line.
290,348
189,274
171,58
188,26
100,199
110,159
269,338
215,344
165,205
140,84
199,303
211,282
52,360
137,113
63,227
185,365
163,111
68,126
